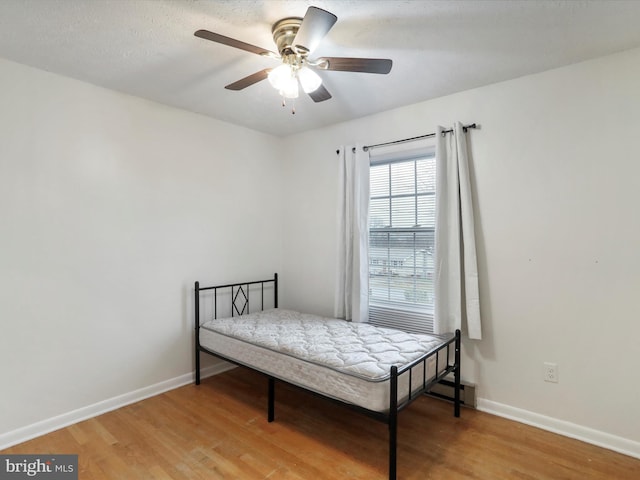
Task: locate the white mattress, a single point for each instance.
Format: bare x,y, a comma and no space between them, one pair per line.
343,360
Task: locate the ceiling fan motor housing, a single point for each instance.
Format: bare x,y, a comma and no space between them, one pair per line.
284,32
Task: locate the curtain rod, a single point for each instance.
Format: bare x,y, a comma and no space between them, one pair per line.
428,135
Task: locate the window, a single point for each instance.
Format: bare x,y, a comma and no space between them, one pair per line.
401,241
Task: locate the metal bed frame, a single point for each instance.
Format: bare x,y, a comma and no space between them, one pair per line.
239,302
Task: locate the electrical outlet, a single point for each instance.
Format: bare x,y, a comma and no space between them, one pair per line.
550,372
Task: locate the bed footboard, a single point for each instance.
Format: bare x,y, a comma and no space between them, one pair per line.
427,383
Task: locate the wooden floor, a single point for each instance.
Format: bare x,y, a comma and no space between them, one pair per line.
218,430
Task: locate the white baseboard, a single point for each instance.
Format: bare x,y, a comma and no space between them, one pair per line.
37,429
568,429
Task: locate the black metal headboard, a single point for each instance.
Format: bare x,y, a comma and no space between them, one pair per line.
239,297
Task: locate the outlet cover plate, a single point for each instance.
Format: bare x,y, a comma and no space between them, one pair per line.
551,372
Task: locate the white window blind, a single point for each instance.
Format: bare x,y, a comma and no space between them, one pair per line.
401,241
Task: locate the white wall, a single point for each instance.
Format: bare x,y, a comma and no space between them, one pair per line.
556,169
110,208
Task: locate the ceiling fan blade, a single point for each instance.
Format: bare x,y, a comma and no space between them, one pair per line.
345,64
315,25
250,80
232,42
320,94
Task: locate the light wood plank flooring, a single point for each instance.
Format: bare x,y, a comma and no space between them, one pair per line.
219,430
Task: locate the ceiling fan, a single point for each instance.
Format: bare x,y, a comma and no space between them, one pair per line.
296,39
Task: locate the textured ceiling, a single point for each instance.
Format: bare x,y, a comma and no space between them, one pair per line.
147,48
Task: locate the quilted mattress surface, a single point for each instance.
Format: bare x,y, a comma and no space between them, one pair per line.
357,349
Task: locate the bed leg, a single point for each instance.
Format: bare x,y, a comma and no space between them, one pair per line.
197,367
393,422
456,376
393,439
271,400
197,329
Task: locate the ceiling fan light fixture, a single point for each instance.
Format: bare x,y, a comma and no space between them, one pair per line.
280,76
289,87
283,79
290,92
309,79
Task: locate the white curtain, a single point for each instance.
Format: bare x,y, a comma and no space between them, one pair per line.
456,285
352,283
